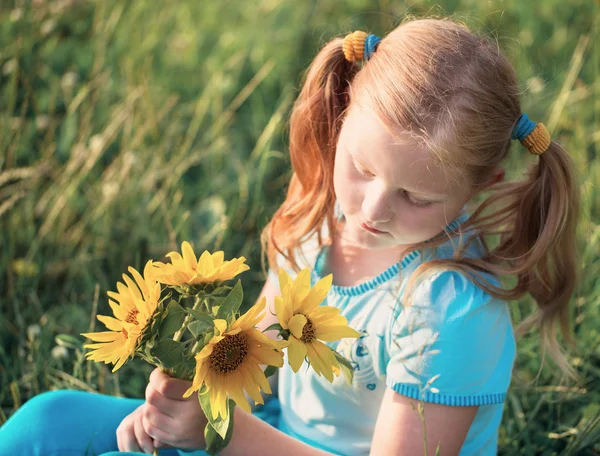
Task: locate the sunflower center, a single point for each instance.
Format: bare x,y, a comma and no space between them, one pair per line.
132,316
308,332
229,353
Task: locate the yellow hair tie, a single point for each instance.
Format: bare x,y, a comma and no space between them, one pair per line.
538,141
354,46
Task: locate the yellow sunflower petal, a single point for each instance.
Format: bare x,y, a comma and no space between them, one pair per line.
258,377
316,295
280,311
323,359
220,326
296,325
237,394
263,340
315,361
284,279
104,336
301,287
117,310
218,400
120,363
218,258
296,353
111,323
267,355
141,283
205,265
250,386
176,260
189,258
252,317
331,333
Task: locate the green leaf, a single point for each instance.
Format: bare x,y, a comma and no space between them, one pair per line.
276,326
169,352
173,320
215,443
270,370
201,316
198,328
232,302
346,367
220,290
220,424
66,340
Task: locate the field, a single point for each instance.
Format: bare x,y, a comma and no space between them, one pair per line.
128,127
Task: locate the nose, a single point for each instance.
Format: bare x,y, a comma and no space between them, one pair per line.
377,203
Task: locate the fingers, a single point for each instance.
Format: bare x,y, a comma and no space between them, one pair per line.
126,440
158,425
143,439
170,387
169,407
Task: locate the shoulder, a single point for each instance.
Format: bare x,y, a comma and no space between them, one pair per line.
454,330
451,295
305,254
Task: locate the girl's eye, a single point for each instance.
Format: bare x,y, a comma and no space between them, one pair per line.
416,202
361,171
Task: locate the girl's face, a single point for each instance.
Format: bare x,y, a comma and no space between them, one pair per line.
391,193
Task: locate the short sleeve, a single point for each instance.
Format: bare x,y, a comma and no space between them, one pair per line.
453,344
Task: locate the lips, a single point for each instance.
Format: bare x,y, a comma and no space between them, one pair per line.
372,230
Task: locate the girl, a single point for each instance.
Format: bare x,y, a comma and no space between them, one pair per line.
390,139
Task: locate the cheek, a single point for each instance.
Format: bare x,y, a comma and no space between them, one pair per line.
429,221
347,188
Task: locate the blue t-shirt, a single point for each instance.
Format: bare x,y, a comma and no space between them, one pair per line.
453,345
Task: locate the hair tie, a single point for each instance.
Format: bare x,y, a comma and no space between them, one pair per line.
359,46
533,136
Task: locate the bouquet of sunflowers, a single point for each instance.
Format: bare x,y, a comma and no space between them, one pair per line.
185,318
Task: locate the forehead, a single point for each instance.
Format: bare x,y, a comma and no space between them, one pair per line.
400,159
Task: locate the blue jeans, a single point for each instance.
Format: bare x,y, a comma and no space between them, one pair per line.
76,423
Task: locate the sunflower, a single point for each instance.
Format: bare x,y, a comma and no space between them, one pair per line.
300,312
186,270
137,302
230,362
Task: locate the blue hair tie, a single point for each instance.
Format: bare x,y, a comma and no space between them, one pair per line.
523,127
371,43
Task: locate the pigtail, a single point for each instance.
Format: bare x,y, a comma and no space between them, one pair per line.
537,244
315,124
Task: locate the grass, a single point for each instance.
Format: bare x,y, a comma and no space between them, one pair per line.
127,127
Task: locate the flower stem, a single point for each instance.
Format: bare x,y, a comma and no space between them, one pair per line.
186,321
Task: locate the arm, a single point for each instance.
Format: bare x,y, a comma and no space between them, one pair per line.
400,430
251,435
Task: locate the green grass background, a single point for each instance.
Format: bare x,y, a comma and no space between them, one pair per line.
127,127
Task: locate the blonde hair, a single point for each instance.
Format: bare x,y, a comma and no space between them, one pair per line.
457,94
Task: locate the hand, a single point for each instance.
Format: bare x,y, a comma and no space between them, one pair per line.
169,418
131,435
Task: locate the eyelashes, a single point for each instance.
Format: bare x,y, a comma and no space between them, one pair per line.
405,195
416,203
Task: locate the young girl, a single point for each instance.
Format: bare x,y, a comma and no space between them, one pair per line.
390,139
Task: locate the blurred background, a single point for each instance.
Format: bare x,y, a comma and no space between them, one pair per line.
128,127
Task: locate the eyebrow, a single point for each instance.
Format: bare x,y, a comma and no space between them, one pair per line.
438,197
